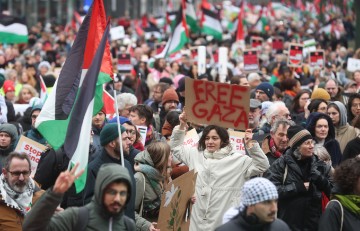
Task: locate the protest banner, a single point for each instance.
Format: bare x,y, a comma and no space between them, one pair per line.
175,208
201,59
278,43
353,64
124,63
191,138
117,33
251,61
33,149
237,139
222,104
295,57
317,58
142,130
256,42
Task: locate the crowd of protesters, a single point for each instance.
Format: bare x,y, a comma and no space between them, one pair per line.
303,136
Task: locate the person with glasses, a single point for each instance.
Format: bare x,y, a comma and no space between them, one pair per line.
8,139
113,189
18,191
301,179
33,133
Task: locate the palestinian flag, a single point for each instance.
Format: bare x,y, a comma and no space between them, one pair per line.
211,24
179,37
12,30
240,35
43,90
190,15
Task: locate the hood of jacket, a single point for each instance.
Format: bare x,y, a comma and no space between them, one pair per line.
311,124
342,112
107,174
12,131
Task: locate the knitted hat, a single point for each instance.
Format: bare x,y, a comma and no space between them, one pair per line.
267,88
297,135
170,94
320,93
110,133
257,190
8,86
10,129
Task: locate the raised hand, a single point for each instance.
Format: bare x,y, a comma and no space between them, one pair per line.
66,179
183,120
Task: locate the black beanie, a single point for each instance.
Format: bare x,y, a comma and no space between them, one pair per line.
109,133
297,135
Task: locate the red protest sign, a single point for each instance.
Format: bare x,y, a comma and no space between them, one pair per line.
278,43
295,57
124,63
221,104
256,42
251,61
317,58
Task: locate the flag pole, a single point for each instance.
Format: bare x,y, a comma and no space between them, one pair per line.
118,124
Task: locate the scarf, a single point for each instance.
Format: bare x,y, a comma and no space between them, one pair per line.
18,201
273,148
166,129
219,154
290,93
351,202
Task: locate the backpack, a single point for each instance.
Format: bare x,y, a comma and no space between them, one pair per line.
83,220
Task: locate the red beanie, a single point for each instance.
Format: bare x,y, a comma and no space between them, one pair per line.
8,86
170,94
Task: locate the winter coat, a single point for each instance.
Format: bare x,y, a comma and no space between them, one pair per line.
11,219
331,145
331,219
218,181
265,146
42,217
240,223
352,149
298,207
13,133
35,136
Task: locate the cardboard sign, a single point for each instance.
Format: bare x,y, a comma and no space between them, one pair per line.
353,64
175,208
237,139
251,61
256,42
33,149
278,43
124,63
221,104
295,57
142,130
117,33
317,58
191,138
201,59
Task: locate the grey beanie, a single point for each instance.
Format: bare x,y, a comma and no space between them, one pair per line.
10,129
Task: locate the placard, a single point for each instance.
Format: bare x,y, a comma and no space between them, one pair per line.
353,64
256,42
191,138
201,59
317,58
295,57
237,139
175,208
251,61
117,33
278,43
33,149
222,104
124,63
142,130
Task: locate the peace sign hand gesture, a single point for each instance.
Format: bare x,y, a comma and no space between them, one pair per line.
66,179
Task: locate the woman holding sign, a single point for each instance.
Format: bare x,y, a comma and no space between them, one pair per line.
221,171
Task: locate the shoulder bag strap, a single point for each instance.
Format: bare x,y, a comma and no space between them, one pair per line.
342,212
142,201
83,219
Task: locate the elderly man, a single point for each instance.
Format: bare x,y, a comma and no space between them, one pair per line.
276,143
332,87
113,188
17,191
257,210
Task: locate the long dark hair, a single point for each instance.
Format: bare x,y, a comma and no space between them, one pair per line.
222,132
296,104
351,99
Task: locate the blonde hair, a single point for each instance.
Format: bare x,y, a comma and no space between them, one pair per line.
159,153
31,89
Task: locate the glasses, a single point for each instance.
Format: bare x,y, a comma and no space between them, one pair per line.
18,173
309,142
131,132
34,116
113,193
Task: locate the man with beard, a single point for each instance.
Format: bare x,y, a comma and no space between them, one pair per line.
254,115
257,210
17,191
275,144
109,139
113,189
97,124
170,101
